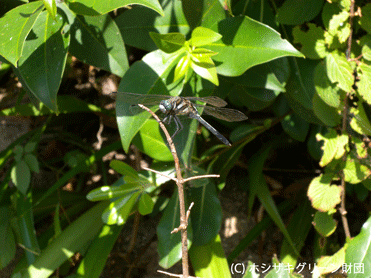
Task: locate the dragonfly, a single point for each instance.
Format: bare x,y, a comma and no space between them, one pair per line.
173,107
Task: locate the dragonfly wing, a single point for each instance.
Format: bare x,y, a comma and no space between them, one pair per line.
132,98
135,109
212,100
226,114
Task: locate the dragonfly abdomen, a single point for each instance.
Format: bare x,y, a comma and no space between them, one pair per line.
210,128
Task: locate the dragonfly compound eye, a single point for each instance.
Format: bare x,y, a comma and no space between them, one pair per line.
165,106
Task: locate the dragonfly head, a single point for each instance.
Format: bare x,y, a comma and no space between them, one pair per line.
165,106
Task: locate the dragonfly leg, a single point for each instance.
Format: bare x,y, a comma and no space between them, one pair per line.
179,126
167,120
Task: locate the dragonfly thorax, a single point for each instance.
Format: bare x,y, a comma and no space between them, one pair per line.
165,106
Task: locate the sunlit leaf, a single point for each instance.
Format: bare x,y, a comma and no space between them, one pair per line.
203,36
21,176
244,48
15,27
168,43
322,194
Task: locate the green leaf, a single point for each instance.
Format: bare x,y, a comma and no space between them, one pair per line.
327,114
364,84
209,260
322,194
296,127
32,162
300,90
7,242
365,42
143,77
329,264
45,50
206,13
354,172
87,7
367,184
272,75
106,47
303,83
334,146
324,223
328,11
25,226
145,205
152,143
360,147
111,192
227,160
76,158
169,247
259,188
327,91
358,249
181,68
95,259
243,48
312,41
124,169
203,52
119,210
339,70
314,146
15,27
168,43
202,60
360,122
18,150
268,203
136,24
339,26
206,212
204,67
203,36
293,13
365,19
30,146
73,239
299,226
21,176
51,6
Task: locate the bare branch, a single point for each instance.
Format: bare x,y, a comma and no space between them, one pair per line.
159,173
201,177
179,183
175,275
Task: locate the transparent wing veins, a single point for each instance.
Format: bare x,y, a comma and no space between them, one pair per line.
226,114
